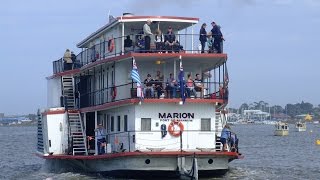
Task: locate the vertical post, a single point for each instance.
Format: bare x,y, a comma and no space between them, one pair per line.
192,38
180,141
129,140
174,68
95,127
185,38
122,40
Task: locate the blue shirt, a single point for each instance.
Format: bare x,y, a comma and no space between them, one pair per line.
101,133
225,133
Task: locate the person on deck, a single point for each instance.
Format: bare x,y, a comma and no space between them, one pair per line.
158,83
101,139
158,38
225,136
170,40
128,44
147,33
203,37
218,37
198,84
67,60
148,86
172,86
190,86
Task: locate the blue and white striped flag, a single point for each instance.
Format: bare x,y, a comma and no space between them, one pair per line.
136,78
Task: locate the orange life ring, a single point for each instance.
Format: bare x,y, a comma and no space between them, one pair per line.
172,130
114,93
110,45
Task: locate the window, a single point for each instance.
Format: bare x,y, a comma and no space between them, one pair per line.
119,123
125,125
205,124
112,124
145,124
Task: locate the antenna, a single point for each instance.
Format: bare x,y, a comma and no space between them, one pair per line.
108,13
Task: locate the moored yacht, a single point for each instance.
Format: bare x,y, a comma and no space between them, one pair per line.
151,128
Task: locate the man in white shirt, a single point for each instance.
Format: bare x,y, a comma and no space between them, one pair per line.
147,33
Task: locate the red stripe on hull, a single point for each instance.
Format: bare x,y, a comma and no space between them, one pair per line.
232,155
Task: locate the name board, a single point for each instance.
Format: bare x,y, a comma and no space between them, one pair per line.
176,116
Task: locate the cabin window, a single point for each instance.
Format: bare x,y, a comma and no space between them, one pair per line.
112,124
145,124
119,123
125,125
205,124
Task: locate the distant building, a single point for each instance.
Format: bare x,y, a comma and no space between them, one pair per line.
255,115
1,115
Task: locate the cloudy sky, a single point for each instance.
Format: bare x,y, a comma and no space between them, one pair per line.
273,46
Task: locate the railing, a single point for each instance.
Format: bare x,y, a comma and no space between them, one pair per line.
186,43
210,90
130,141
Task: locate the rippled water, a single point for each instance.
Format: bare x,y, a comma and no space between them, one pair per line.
266,156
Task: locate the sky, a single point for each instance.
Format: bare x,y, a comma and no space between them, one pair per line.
272,46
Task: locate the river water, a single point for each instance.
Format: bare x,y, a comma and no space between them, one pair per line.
265,156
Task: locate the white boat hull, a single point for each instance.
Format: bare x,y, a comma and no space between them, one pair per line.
281,132
301,129
143,165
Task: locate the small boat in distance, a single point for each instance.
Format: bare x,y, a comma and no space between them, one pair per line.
301,126
282,129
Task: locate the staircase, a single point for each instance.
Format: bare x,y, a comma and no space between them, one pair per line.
76,127
218,129
79,145
68,92
40,133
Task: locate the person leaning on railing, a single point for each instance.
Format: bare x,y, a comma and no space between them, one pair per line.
67,60
225,136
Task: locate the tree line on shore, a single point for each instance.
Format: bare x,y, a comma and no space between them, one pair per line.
291,110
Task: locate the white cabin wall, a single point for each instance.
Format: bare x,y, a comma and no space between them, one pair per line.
54,92
122,74
192,140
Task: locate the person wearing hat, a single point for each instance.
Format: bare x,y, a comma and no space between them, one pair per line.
149,82
225,136
147,33
218,37
101,139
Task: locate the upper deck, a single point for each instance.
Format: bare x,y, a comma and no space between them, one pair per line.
109,42
102,69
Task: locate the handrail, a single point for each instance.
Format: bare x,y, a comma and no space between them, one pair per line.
103,49
210,90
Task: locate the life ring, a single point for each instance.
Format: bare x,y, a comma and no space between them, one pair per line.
110,45
114,93
172,130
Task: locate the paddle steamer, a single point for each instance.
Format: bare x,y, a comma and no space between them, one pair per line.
157,135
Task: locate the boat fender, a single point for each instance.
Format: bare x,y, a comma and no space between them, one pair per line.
110,45
172,130
114,93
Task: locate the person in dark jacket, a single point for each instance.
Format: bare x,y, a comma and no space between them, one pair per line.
170,40
218,37
203,37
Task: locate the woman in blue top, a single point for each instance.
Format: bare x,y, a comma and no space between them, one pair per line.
225,135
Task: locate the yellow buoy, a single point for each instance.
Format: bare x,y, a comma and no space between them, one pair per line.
318,142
